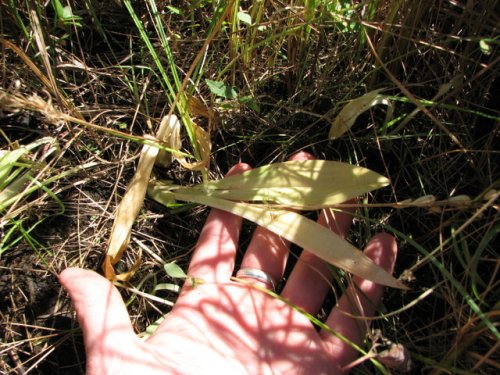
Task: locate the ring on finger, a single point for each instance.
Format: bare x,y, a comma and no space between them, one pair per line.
257,275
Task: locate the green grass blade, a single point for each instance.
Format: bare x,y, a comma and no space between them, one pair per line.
449,277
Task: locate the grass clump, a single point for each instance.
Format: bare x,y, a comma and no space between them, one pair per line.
262,79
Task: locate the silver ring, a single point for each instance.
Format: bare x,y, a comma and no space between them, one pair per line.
256,274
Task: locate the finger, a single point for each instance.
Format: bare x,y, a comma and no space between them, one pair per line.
213,258
360,300
101,312
312,273
268,251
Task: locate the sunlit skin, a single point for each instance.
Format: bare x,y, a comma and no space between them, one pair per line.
227,327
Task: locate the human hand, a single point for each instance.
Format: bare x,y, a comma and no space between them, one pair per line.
228,327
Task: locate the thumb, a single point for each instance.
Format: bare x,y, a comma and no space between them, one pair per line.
101,312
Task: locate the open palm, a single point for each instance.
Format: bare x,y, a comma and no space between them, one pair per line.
225,326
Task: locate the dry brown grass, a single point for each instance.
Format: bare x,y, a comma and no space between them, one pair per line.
294,75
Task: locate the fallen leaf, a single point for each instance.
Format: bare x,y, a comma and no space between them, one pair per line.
351,111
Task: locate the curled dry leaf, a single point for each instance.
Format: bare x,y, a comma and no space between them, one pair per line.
351,111
204,147
396,356
391,354
171,139
199,108
169,134
130,206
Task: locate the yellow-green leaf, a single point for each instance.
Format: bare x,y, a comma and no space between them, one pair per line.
13,191
7,160
173,270
348,115
300,230
304,184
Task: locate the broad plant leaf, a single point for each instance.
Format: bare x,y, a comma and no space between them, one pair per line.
305,184
245,18
348,115
173,270
219,88
298,229
65,14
